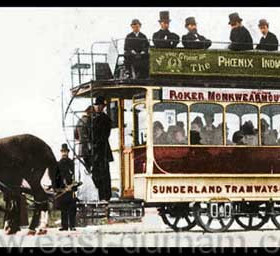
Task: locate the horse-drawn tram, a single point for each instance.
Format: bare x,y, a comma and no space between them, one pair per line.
199,139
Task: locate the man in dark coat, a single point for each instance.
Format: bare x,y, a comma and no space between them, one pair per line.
67,201
102,154
164,38
82,134
239,36
269,41
136,48
193,40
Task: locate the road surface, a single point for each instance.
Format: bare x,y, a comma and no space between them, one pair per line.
151,232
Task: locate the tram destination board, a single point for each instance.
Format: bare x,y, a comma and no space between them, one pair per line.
183,62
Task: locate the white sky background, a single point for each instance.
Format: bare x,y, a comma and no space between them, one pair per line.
36,44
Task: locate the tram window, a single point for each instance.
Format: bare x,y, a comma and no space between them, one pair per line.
113,114
270,125
140,125
170,123
128,117
206,121
242,124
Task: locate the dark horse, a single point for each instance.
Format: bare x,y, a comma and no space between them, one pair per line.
24,157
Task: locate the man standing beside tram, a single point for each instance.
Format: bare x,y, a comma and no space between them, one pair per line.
101,153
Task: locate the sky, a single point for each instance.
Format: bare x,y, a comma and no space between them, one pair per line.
36,44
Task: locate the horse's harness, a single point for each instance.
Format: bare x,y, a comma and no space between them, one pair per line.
61,192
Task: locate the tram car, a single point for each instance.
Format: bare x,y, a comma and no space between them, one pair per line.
199,139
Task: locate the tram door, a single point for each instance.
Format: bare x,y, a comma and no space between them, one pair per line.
121,168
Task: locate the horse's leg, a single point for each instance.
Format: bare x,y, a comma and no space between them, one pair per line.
41,205
7,215
14,216
44,219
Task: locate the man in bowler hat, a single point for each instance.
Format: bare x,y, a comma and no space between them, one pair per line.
101,151
164,38
67,202
269,41
239,36
193,40
136,48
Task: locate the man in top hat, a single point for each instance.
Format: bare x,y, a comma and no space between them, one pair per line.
193,40
239,36
101,151
136,47
67,202
164,38
82,134
269,41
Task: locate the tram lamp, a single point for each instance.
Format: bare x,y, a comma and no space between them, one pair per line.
81,66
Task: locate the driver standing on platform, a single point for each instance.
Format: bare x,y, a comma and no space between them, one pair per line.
101,151
136,48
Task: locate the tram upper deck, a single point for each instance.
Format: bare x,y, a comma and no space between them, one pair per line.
195,68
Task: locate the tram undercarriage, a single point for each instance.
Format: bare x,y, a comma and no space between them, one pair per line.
219,216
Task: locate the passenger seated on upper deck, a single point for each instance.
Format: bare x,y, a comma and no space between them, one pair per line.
268,137
164,38
269,41
209,133
239,36
250,133
136,52
193,40
160,136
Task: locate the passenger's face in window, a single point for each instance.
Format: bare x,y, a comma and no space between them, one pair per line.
179,136
164,25
264,29
157,132
136,28
195,127
209,119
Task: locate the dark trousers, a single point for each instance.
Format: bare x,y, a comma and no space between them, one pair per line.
140,64
102,179
68,216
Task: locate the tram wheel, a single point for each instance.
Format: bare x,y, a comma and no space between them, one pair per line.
178,217
275,214
254,215
210,223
